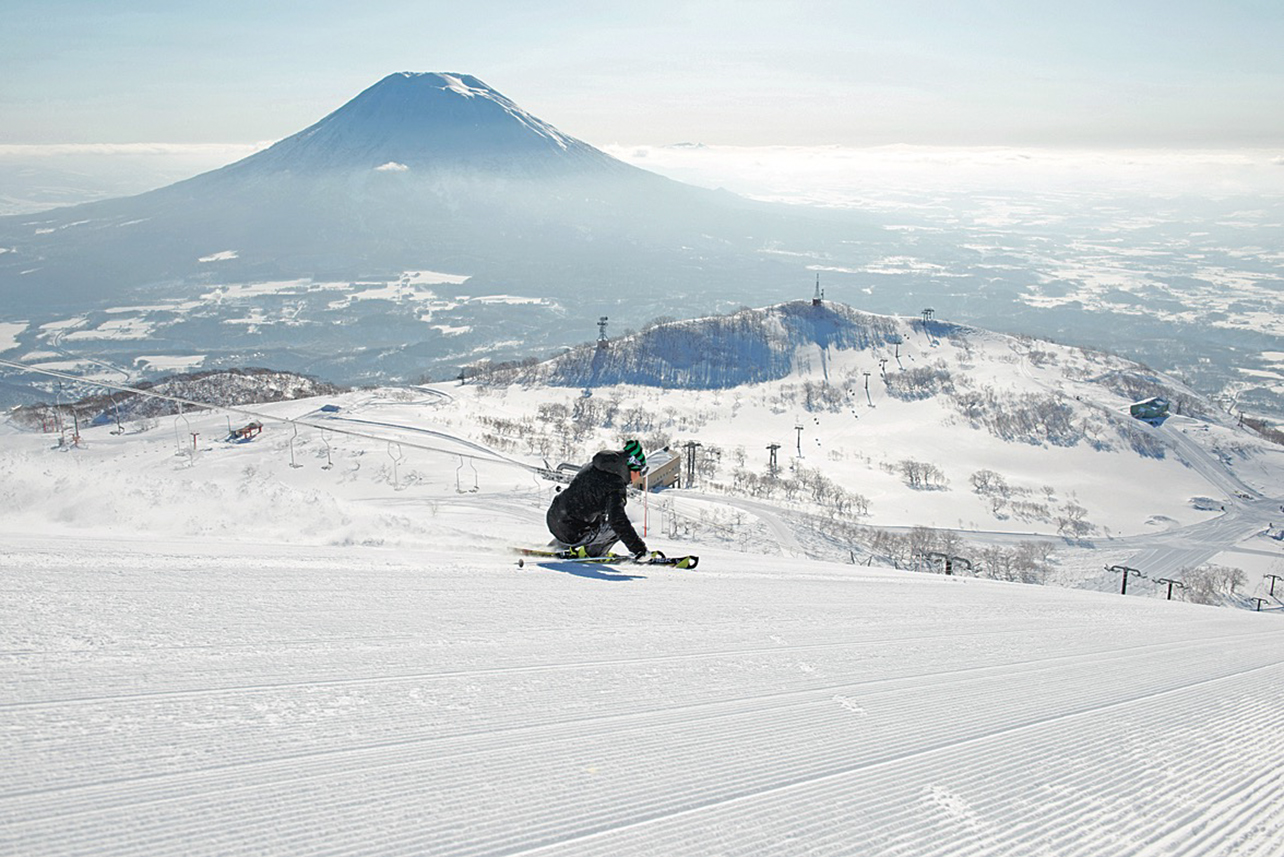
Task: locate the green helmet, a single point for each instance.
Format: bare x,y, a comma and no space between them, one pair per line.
637,458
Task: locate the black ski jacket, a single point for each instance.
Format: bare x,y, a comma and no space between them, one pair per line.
598,491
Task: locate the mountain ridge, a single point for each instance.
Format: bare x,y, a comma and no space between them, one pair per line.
832,358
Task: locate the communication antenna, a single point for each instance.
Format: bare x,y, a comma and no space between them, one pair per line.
601,332
819,295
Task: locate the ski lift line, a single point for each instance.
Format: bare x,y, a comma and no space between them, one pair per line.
487,452
259,415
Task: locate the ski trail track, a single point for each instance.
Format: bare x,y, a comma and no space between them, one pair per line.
362,702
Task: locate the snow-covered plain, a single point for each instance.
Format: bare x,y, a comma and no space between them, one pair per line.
318,643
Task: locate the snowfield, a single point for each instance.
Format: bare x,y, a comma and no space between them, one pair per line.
318,643
178,697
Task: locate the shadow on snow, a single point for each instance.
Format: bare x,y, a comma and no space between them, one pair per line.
589,571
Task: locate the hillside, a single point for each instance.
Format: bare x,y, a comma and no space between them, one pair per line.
317,642
885,424
174,394
891,437
824,356
718,352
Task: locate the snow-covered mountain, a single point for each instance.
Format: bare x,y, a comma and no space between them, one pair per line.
296,256
432,171
746,347
429,121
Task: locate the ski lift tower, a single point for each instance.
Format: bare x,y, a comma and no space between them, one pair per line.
601,332
691,447
772,467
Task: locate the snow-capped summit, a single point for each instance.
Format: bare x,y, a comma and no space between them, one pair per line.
431,120
419,172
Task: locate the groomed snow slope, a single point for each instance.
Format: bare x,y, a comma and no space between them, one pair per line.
316,644
222,698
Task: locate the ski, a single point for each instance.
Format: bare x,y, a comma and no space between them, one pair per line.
656,558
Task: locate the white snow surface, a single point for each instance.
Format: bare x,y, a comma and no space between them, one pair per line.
9,334
319,643
220,256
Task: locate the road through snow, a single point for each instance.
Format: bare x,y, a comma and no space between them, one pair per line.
218,698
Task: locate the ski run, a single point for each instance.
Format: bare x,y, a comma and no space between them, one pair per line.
214,699
280,649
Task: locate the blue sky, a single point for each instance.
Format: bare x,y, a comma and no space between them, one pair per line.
972,72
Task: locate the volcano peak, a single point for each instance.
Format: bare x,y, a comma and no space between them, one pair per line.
433,121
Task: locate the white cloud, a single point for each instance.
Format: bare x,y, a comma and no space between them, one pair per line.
229,151
392,167
846,176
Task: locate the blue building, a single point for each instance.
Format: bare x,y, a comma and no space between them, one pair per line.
1154,408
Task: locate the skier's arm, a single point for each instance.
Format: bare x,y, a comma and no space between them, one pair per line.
619,520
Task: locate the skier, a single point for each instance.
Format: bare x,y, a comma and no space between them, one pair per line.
588,517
